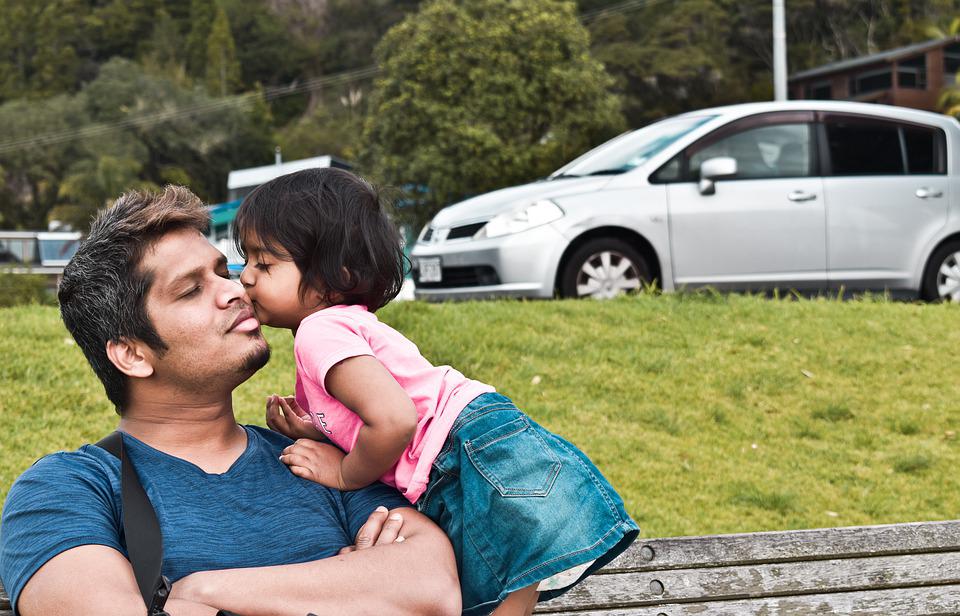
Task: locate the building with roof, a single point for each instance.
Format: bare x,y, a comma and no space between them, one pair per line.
910,76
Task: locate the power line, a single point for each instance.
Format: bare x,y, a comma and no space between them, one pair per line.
152,119
622,7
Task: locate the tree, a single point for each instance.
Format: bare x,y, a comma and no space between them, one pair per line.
479,95
30,175
672,58
332,127
202,14
223,70
143,135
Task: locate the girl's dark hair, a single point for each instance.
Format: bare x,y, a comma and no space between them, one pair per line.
333,226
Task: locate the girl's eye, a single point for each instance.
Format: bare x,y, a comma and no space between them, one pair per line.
263,267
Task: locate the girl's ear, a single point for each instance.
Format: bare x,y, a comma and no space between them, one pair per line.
131,357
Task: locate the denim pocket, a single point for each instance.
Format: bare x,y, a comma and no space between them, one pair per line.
514,459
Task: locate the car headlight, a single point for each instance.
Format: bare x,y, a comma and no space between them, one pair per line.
520,219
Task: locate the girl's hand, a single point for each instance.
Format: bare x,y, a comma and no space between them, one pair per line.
318,462
285,416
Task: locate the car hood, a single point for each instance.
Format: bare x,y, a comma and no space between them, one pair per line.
486,206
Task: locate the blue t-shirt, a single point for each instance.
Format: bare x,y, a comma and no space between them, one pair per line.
256,514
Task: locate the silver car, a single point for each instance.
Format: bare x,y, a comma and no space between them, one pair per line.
805,195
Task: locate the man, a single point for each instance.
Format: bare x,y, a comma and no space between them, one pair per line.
149,301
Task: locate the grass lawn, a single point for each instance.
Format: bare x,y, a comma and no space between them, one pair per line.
710,413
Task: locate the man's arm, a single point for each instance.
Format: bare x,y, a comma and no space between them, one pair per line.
92,580
415,576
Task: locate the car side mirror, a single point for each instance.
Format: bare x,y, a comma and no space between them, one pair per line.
714,169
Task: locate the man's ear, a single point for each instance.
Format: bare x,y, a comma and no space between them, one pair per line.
131,357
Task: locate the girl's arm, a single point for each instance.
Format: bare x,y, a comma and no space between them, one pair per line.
389,418
364,386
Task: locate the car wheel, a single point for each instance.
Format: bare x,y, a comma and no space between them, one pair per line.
604,268
941,281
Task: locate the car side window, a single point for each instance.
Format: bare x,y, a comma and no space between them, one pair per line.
864,147
671,171
926,150
770,151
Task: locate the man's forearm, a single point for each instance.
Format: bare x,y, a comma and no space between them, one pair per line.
180,607
417,576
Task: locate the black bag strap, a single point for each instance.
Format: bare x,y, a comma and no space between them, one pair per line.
141,529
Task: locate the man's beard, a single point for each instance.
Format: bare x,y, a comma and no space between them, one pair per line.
256,360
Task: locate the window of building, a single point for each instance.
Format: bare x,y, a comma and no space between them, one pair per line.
18,251
871,81
951,62
864,147
912,73
57,251
819,91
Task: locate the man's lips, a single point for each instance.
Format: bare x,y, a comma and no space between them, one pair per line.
245,322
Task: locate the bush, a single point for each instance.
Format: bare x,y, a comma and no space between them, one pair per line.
20,289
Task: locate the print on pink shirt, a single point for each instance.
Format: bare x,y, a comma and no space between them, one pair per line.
322,423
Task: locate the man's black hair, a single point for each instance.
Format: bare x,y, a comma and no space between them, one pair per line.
103,290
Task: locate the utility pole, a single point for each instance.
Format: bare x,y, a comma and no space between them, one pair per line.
779,52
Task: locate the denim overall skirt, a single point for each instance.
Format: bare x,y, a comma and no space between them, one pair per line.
519,505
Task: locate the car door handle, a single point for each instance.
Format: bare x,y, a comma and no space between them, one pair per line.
926,193
799,195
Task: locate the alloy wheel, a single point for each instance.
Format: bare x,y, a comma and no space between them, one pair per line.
948,278
607,274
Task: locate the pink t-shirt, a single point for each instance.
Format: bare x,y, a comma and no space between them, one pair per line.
439,393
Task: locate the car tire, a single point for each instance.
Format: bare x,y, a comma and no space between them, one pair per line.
604,268
938,285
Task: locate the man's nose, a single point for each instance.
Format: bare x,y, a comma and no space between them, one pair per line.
231,291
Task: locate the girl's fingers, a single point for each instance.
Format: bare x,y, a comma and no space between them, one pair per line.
273,414
296,459
285,407
303,472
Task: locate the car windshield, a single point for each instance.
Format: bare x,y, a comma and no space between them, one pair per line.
630,150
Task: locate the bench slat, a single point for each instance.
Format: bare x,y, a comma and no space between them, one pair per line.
772,547
928,601
756,581
5,609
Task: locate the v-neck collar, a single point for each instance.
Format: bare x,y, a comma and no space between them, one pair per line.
237,465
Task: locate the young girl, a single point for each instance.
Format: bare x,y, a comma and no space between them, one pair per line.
526,511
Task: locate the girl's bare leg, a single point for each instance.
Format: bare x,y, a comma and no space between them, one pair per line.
519,602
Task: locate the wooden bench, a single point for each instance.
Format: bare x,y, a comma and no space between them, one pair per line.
892,570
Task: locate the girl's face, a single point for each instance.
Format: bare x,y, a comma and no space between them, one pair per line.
273,285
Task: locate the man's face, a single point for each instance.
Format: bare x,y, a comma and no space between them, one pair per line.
203,317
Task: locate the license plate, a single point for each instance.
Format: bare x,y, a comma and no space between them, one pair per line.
430,270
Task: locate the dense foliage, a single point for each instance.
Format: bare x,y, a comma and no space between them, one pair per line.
100,95
475,96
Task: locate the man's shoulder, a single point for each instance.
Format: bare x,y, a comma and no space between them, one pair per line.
268,438
85,460
89,465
